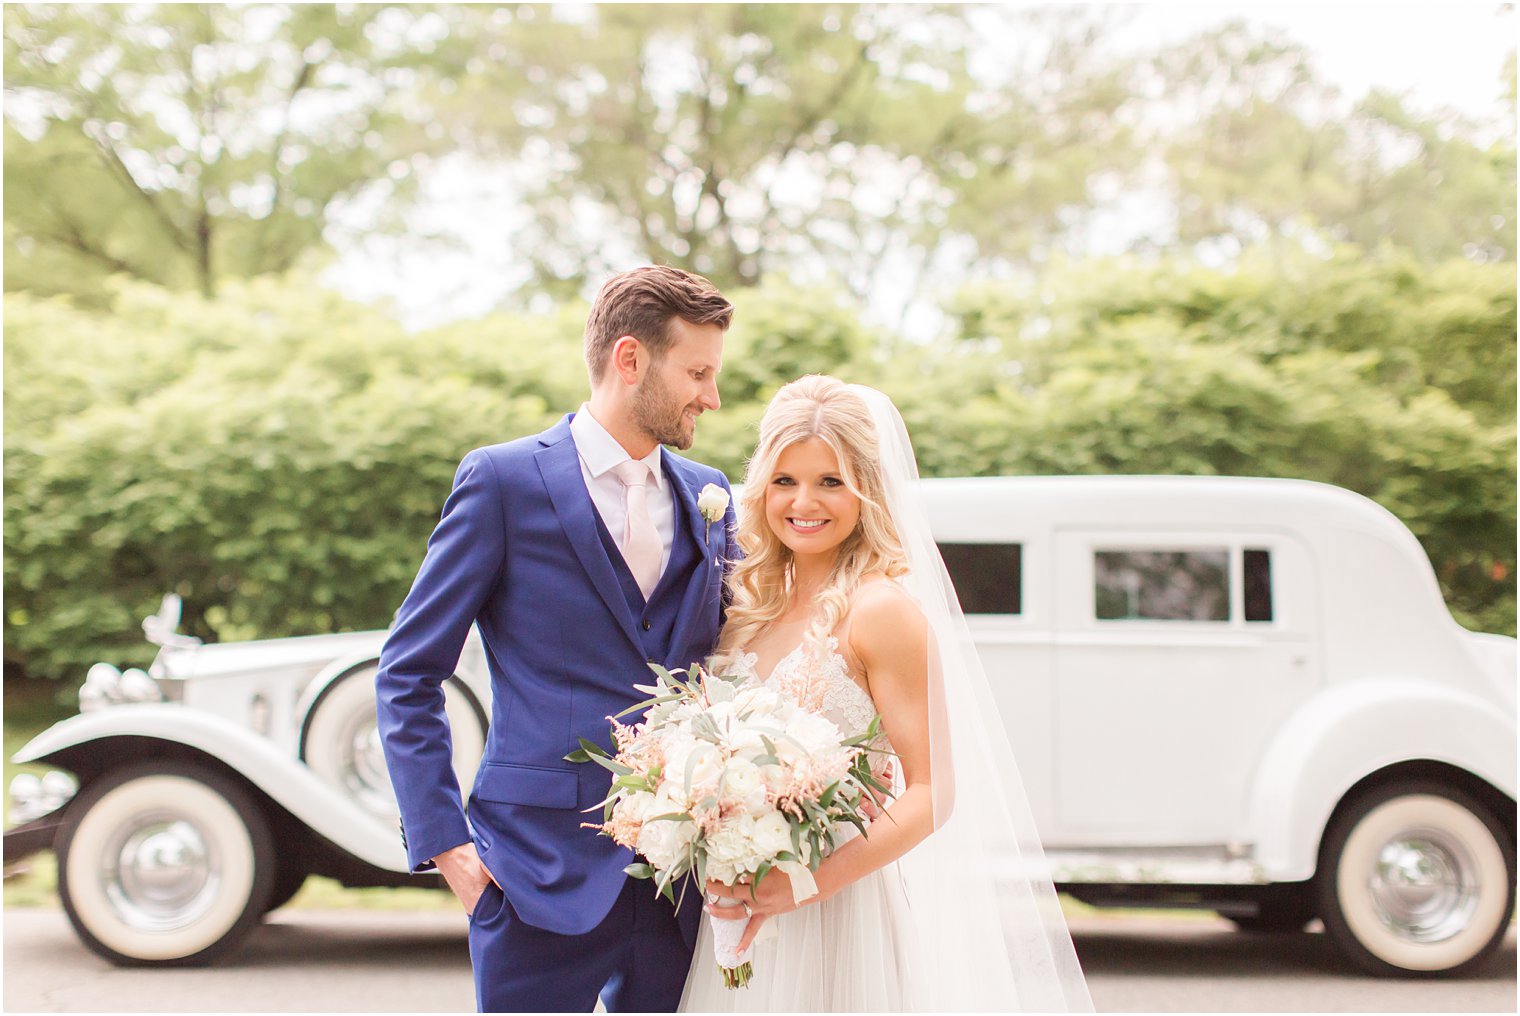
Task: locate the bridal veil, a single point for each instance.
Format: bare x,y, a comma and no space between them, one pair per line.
987,928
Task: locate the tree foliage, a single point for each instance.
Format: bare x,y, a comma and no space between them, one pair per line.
276,460
279,455
1258,143
1369,374
737,140
1328,291
881,148
185,143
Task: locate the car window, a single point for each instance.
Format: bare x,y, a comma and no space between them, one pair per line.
1162,585
988,576
1258,585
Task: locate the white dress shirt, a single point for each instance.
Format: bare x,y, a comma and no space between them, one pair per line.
599,452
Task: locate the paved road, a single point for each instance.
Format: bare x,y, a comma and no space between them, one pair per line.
402,961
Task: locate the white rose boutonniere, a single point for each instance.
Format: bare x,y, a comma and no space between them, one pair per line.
712,502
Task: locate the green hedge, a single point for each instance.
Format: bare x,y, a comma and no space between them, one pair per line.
278,456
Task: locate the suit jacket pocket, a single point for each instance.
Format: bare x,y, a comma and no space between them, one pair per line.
536,786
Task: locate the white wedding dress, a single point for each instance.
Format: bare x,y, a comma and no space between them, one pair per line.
966,921
848,953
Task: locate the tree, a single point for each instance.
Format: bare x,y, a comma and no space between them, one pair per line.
278,456
1371,374
181,144
826,140
1258,144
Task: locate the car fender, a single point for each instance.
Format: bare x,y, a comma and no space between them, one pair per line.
340,669
470,674
318,685
1350,731
289,783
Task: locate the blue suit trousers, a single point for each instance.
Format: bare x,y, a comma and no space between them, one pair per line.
635,959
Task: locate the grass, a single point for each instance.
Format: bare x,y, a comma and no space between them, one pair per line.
325,894
30,707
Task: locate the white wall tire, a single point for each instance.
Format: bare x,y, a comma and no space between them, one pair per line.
341,743
164,864
1417,880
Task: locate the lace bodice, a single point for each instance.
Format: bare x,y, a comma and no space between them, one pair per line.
828,689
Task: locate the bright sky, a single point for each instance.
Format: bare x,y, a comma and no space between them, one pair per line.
1439,53
1435,54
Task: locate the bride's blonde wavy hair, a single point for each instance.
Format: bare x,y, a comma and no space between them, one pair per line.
815,406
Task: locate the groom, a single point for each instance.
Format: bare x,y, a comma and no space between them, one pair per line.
582,556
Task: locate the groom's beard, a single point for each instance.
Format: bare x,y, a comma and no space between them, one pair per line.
660,416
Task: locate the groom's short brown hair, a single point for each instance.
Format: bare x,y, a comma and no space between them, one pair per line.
641,303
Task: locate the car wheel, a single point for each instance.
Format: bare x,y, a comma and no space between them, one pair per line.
288,880
1416,879
340,740
164,864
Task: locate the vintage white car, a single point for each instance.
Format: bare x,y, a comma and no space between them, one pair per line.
1245,695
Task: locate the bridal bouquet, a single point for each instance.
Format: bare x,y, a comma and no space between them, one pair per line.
724,780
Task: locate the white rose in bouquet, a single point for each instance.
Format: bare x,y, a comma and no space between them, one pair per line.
670,797
757,698
730,843
744,785
775,779
772,834
813,732
721,713
665,841
698,761
637,807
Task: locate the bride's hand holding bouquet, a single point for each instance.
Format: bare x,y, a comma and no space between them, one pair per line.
728,782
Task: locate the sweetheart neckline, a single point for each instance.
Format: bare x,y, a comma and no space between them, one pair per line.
751,659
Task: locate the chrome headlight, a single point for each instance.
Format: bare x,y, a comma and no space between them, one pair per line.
102,687
137,686
32,798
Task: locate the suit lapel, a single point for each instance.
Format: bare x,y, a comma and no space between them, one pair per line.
560,466
699,532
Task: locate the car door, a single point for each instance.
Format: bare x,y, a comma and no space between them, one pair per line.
1177,656
1002,585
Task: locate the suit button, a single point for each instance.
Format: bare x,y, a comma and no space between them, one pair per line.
646,624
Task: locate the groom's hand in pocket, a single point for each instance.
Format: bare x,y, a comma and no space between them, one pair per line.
462,869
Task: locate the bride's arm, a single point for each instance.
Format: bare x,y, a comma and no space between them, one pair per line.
890,637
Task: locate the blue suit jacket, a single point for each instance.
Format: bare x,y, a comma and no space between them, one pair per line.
517,552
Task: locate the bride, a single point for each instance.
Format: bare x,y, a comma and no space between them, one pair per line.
842,601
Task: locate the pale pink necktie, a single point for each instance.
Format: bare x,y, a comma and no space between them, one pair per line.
641,541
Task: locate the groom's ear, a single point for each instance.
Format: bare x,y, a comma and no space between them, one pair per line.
630,359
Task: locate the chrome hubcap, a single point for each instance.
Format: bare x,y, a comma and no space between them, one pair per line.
1424,886
160,873
364,772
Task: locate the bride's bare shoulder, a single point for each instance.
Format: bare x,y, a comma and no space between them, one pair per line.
875,588
883,616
